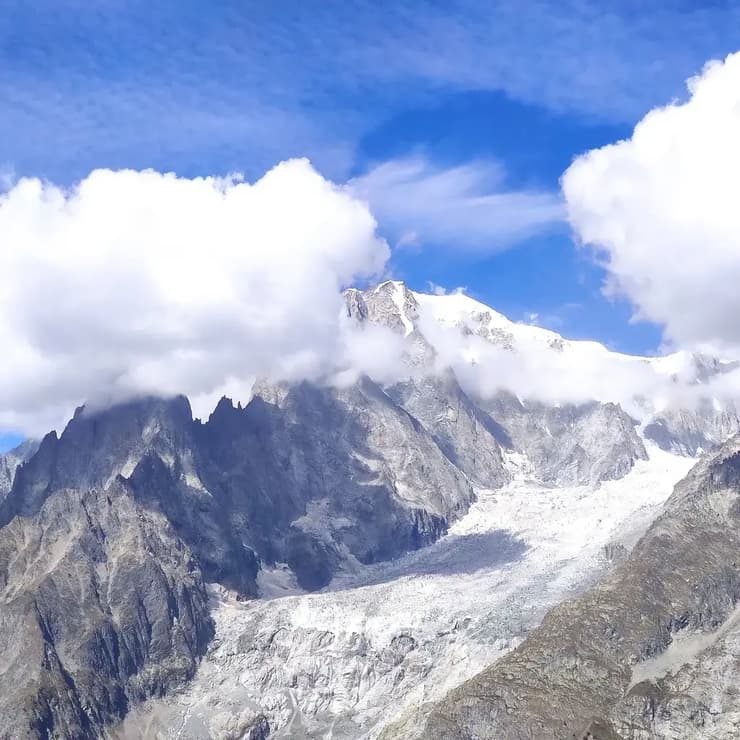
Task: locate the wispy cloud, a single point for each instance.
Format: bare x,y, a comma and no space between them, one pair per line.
191,85
604,58
466,206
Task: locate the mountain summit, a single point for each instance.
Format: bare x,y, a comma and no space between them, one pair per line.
113,532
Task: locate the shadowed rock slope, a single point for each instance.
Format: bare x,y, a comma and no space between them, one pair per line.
600,666
111,530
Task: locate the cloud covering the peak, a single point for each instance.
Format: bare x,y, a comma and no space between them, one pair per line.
662,208
137,282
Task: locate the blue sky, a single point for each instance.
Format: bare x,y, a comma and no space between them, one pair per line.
493,99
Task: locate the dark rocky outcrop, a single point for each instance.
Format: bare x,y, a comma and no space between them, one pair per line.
12,460
339,472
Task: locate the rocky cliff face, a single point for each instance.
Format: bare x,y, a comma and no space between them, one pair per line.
317,477
466,435
608,665
101,606
110,530
569,444
703,422
11,461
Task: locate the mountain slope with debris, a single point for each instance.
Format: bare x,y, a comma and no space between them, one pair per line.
634,657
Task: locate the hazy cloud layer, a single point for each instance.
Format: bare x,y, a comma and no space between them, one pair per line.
141,282
662,207
151,84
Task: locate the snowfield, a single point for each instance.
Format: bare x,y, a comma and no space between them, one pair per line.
344,662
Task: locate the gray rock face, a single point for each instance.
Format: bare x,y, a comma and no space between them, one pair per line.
701,426
153,444
101,605
693,431
598,664
393,306
110,530
389,304
10,462
358,476
96,447
569,444
465,434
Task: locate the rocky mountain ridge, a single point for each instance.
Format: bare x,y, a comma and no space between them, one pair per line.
110,531
143,494
594,441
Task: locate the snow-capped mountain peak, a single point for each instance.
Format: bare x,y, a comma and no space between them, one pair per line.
683,401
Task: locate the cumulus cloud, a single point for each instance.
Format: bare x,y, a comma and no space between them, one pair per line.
468,205
140,282
662,208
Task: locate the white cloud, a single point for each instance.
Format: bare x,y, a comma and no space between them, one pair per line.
435,289
537,364
141,282
662,207
468,206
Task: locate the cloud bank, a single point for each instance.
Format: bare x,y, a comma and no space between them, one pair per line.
662,208
140,282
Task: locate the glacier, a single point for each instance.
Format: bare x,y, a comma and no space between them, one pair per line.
344,662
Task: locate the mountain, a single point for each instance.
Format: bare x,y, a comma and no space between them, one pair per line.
101,605
569,444
647,653
466,434
695,430
145,553
566,443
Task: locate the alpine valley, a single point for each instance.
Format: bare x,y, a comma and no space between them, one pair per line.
508,535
